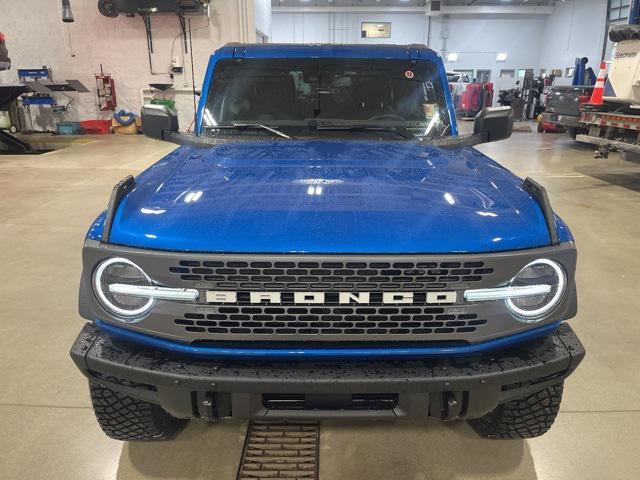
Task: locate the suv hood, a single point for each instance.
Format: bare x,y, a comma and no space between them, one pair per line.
329,197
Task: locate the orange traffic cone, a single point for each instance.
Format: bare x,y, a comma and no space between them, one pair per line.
598,90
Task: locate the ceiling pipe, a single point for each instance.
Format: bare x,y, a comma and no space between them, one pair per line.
502,9
67,14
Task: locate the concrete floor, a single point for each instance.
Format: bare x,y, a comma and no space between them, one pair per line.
47,427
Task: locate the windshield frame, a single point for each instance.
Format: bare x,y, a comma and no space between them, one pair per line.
413,54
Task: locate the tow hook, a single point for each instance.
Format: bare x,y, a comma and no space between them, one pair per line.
208,407
602,152
452,407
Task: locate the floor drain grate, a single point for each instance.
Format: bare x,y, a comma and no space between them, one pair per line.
280,450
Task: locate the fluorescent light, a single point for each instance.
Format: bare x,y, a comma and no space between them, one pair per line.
449,198
452,57
502,57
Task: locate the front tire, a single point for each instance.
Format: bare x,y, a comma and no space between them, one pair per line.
126,418
525,417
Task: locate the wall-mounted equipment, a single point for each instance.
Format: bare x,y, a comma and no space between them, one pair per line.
43,91
147,8
106,91
113,8
42,88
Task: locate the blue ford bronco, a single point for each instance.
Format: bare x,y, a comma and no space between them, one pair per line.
327,245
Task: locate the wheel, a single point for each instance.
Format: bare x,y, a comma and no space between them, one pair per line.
125,418
525,417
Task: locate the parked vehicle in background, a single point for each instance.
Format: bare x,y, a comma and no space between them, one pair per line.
513,98
615,123
475,97
454,77
563,108
458,83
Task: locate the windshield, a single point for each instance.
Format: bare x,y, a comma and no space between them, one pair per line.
326,92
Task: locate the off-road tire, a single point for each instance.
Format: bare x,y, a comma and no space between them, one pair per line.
525,417
125,418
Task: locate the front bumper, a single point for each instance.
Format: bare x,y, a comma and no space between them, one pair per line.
563,120
465,387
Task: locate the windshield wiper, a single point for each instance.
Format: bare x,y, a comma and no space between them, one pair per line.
363,128
256,126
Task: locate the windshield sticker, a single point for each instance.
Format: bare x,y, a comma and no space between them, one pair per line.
409,74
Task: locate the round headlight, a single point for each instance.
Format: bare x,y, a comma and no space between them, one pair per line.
127,308
531,309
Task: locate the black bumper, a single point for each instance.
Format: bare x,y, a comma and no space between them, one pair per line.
465,387
570,121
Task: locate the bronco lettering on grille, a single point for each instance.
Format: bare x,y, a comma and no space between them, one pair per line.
342,298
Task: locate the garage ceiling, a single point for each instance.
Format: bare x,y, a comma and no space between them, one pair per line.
409,3
477,3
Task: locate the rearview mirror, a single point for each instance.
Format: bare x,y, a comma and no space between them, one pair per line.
493,124
159,121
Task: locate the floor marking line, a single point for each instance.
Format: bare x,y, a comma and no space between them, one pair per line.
24,405
599,411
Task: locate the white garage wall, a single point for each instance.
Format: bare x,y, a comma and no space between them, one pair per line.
345,27
531,41
576,29
262,14
36,36
477,41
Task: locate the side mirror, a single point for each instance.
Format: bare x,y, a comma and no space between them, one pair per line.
493,124
159,121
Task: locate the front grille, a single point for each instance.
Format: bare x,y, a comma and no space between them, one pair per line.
327,275
287,321
352,307
329,320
